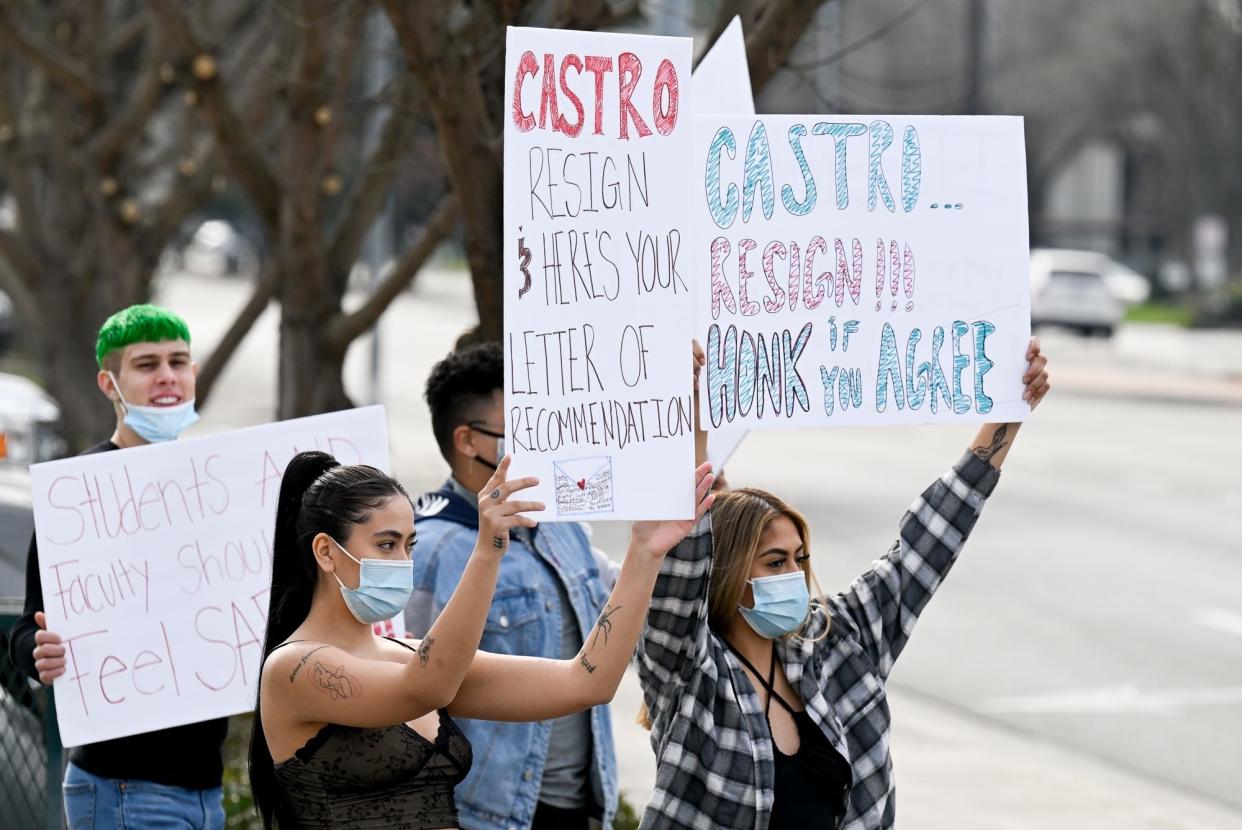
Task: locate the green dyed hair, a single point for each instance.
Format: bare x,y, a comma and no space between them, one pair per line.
138,324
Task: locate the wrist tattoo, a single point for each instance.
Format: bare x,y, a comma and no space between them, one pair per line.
998,441
604,626
334,681
293,674
424,650
586,664
498,542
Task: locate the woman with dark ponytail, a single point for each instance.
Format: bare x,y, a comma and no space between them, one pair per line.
355,730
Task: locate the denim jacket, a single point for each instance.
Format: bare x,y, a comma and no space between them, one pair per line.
502,788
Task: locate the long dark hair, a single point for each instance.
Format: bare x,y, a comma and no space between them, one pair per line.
317,495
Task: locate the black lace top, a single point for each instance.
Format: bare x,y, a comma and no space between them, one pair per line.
392,777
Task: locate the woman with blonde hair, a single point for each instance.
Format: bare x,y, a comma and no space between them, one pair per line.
767,706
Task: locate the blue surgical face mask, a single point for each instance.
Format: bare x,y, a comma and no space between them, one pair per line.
157,423
781,604
384,588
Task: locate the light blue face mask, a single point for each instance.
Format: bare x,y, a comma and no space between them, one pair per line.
157,423
384,588
781,604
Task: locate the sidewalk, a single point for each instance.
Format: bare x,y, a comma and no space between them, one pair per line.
1149,361
958,772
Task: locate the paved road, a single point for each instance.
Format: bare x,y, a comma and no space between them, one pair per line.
1098,606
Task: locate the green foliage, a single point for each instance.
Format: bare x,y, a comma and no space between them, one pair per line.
627,817
1160,312
239,809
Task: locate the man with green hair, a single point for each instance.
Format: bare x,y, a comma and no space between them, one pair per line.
169,778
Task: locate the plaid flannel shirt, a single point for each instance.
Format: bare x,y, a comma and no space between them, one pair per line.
713,747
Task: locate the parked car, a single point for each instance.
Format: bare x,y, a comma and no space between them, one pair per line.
29,423
1082,290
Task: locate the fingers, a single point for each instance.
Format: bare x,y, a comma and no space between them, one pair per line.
1032,348
498,477
704,506
508,488
509,508
46,638
41,619
46,677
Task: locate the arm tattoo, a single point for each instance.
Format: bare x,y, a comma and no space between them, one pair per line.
336,682
498,542
293,674
604,625
585,664
998,441
424,650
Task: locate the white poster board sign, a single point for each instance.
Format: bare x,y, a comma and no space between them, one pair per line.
598,397
860,270
156,569
721,83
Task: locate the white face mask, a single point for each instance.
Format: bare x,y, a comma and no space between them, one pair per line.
157,423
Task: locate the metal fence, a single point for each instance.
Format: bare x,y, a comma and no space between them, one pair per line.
30,774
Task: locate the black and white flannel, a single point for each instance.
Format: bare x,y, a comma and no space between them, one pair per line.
713,746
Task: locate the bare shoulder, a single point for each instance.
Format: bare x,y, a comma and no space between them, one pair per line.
292,660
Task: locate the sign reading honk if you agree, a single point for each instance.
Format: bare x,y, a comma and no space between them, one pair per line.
156,569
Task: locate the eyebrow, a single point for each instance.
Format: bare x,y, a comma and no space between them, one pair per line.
393,534
782,551
157,355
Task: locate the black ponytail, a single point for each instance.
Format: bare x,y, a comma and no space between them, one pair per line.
317,495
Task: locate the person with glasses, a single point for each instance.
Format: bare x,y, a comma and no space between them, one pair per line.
551,588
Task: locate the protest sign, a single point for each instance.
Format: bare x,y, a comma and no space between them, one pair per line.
721,83
598,392
860,269
156,569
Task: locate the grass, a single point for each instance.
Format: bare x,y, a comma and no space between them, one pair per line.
1160,312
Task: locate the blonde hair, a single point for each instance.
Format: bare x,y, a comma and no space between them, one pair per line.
739,519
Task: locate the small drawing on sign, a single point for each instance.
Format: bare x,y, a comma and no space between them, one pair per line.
583,485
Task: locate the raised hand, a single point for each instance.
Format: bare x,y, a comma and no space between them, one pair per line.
498,515
1036,377
657,538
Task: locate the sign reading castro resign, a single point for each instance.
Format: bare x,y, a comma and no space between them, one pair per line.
860,269
598,388
156,569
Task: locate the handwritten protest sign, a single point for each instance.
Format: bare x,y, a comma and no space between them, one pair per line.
598,397
860,269
156,569
721,83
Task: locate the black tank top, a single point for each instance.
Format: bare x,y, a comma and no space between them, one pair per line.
812,784
351,777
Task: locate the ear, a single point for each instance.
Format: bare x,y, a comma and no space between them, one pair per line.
321,549
462,442
106,386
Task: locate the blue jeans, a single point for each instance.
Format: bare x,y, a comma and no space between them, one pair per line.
93,802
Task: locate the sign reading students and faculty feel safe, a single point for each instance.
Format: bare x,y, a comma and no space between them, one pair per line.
156,569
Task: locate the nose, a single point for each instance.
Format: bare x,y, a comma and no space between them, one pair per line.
165,375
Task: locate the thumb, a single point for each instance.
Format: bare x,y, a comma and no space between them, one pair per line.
41,620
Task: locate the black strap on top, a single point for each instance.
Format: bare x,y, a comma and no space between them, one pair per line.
769,684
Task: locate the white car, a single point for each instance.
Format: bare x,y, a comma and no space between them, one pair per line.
1082,290
29,423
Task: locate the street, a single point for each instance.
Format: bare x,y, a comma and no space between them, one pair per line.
1095,615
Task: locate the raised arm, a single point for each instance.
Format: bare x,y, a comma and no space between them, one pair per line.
323,683
495,687
885,602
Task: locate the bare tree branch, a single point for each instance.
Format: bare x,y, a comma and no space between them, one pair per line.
23,263
370,190
773,37
264,289
132,120
872,36
344,328
252,170
58,68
